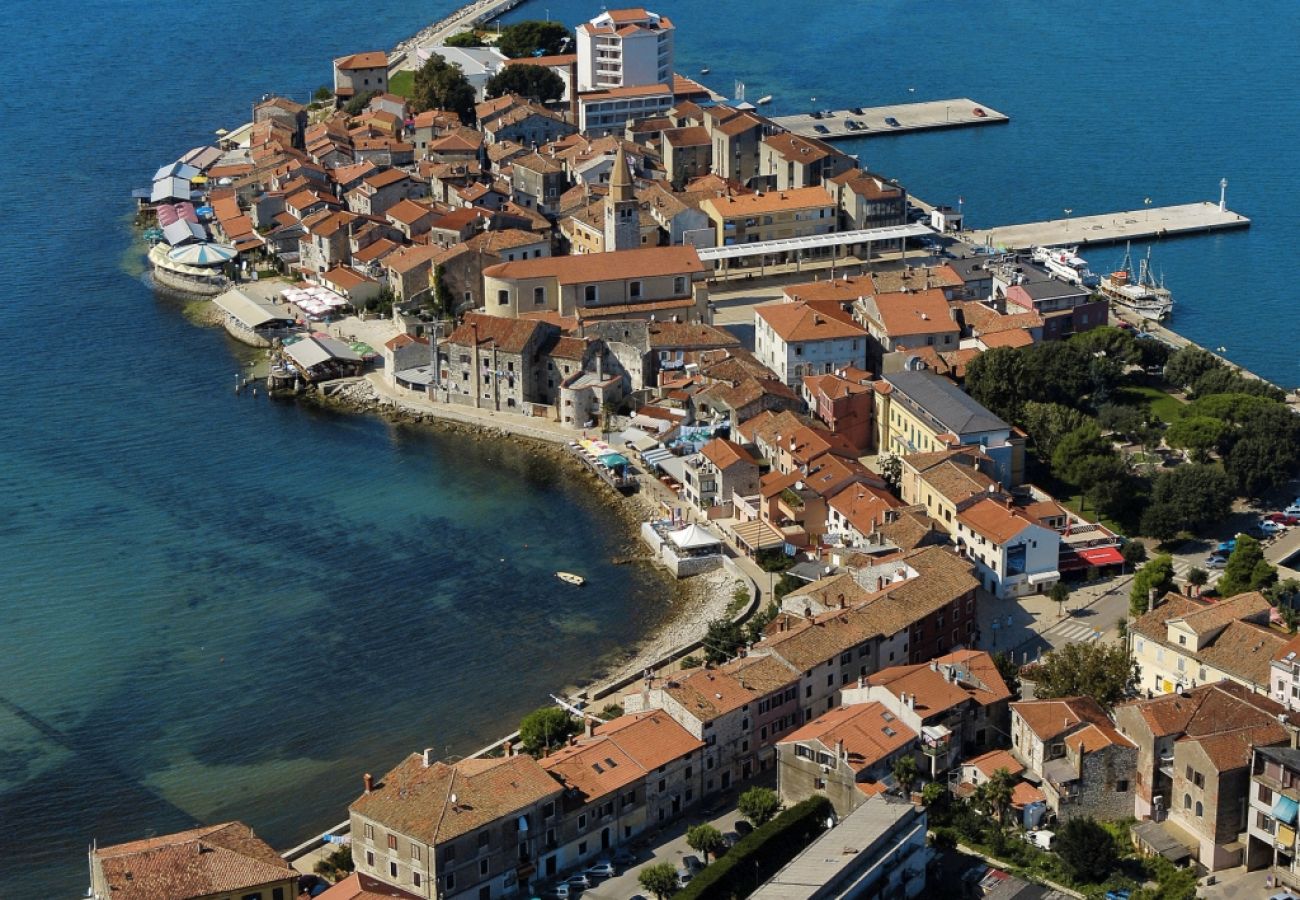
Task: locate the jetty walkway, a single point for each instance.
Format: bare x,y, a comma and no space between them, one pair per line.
873,121
467,16
1110,228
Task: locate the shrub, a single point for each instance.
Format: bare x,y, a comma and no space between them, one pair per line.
761,854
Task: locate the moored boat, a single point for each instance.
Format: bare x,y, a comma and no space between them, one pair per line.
1066,263
571,578
1139,292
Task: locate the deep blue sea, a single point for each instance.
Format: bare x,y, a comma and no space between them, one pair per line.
215,607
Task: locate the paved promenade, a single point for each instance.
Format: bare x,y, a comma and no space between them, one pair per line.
1110,228
872,121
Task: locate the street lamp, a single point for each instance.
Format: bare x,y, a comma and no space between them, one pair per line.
1067,219
1146,202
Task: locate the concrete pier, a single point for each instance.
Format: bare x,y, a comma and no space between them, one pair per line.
872,121
1111,228
468,16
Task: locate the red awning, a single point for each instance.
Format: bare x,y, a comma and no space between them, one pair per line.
1102,556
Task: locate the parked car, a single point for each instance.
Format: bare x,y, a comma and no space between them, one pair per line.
731,838
1226,546
742,827
816,115
1293,509
1283,519
892,122
851,125
602,869
683,878
1215,562
562,891
579,881
979,112
624,857
821,129
692,863
857,111
1268,526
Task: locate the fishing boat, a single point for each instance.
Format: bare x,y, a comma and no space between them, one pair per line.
1139,292
571,578
1066,264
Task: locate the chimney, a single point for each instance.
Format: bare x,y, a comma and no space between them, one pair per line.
591,728
843,603
861,682
1151,599
508,749
369,781
911,701
428,756
839,750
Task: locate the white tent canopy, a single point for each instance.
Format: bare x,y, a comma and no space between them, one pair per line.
693,537
203,253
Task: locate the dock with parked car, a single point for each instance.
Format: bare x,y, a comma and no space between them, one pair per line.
874,121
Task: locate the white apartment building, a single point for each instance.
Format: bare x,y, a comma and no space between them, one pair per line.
794,340
625,48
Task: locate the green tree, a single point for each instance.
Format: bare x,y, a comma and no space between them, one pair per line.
542,730
1060,593
442,299
1073,458
722,639
706,839
1188,364
323,93
1134,553
1114,343
1230,408
464,39
611,711
994,379
1009,671
1198,435
1047,423
761,619
1246,569
357,104
1265,452
528,38
1197,578
933,794
891,469
336,865
905,772
1126,422
1086,849
758,805
1106,673
690,661
994,796
1194,496
659,879
1157,574
535,82
440,85
1227,381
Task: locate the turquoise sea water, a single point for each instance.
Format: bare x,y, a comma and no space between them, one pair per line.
213,606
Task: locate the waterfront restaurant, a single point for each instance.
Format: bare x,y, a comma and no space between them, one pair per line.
320,358
251,321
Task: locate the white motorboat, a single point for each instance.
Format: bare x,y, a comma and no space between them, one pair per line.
569,577
1066,263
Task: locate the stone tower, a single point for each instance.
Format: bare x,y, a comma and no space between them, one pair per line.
622,220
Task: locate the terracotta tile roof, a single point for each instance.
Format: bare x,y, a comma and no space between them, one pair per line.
621,752
362,887
569,348
869,185
709,693
1049,719
1232,750
914,278
799,322
374,59
215,859
346,278
946,682
991,519
952,478
506,239
375,250
1212,618
385,178
745,205
409,258
559,59
566,324
846,289
1245,650
1151,625
982,320
863,506
680,335
912,313
724,453
691,136
833,387
408,212
623,310
536,162
415,800
990,762
912,528
1012,337
509,335
1229,715
799,149
764,427
640,90
869,731
650,262
1024,794
404,340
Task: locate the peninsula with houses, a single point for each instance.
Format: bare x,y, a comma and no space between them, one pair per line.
1002,606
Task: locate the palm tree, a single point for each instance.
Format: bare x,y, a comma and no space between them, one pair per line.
905,773
994,795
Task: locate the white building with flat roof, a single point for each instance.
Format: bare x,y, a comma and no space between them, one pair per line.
625,48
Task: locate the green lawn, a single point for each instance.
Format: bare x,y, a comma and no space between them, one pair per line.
1163,405
402,83
1074,503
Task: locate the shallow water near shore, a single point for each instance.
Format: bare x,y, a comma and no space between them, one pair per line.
215,607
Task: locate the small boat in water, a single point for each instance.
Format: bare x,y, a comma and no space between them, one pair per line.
1066,263
764,100
704,71
571,578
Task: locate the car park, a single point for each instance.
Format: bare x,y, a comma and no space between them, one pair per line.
579,881
602,869
1268,526
1215,562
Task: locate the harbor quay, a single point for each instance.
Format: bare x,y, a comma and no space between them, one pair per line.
1112,228
878,121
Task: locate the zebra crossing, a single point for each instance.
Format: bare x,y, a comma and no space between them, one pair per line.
1183,565
1074,632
